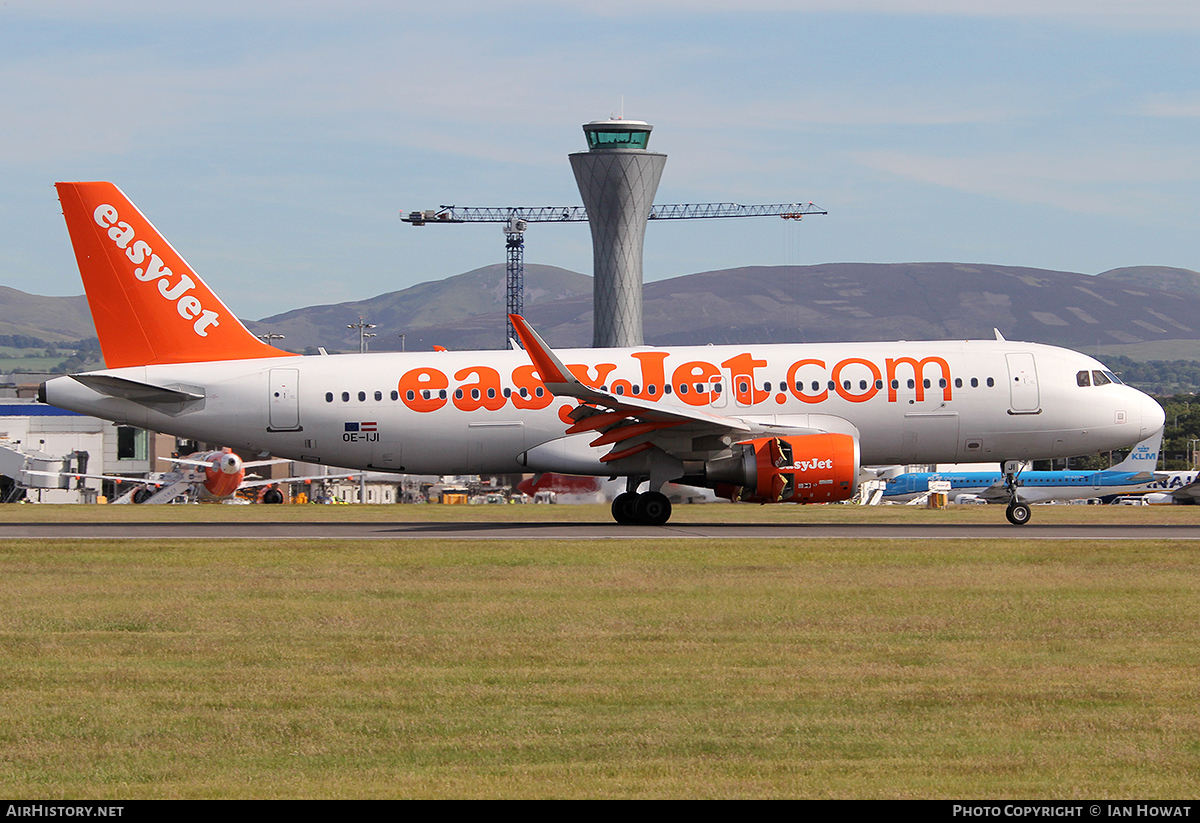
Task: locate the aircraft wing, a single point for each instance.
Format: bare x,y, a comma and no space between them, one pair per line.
116,478
634,425
1190,492
996,493
561,382
253,483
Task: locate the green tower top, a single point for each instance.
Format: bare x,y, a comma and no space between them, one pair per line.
617,134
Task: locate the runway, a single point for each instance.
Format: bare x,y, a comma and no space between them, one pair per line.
590,531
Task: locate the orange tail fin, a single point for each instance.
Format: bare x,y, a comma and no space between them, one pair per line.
148,305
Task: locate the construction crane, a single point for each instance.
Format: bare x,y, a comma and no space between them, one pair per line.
516,220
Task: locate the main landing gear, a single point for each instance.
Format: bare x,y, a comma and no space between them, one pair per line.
649,509
1018,513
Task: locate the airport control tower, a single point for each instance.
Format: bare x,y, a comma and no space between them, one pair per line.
617,177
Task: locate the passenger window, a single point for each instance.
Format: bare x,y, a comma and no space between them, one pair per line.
378,395
395,394
328,397
345,397
1083,379
958,382
991,382
974,382
362,396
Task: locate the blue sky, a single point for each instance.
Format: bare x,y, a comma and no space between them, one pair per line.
275,143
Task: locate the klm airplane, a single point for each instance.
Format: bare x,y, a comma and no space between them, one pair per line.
1134,475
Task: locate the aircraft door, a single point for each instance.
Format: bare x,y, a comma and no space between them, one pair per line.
1022,383
284,400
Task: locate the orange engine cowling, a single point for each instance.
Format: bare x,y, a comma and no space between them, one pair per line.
806,468
224,473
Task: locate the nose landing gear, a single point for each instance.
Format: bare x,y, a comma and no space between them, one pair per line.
1018,513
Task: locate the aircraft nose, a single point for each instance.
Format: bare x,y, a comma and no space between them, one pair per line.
1153,416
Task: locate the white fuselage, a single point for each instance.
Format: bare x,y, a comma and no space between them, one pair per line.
481,412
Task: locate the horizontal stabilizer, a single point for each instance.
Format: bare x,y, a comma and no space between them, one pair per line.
133,390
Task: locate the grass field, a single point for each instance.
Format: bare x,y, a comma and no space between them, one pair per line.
766,668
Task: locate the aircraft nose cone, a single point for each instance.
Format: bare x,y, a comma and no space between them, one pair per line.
1153,416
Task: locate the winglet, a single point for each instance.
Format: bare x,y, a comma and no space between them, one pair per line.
547,363
148,304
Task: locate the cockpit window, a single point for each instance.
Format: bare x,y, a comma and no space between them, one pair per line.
1114,378
1101,378
1083,378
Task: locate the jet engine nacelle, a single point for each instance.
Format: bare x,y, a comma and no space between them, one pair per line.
807,468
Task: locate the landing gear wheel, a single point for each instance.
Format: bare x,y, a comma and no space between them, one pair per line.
652,509
623,506
1018,514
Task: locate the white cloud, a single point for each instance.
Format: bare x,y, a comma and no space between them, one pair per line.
1108,182
1173,105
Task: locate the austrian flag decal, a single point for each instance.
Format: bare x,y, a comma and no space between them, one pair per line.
364,431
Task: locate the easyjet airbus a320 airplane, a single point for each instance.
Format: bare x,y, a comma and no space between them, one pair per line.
767,424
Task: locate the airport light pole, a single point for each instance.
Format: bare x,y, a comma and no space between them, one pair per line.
363,334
